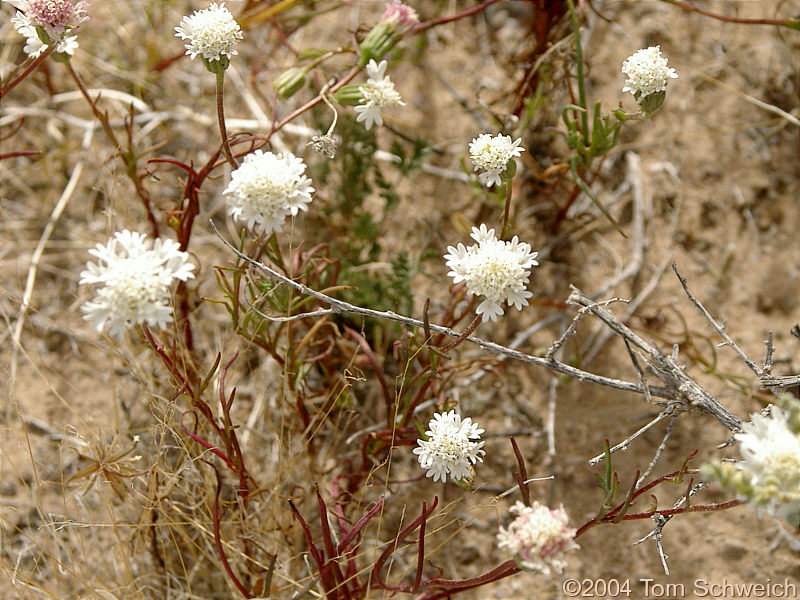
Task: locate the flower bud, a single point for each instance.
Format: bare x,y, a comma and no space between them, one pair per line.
288,83
396,21
349,95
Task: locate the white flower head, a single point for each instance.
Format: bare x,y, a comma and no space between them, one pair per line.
53,16
267,188
34,47
451,447
539,537
212,33
494,269
771,452
136,274
492,154
646,72
377,94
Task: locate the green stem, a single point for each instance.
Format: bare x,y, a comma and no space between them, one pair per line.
573,165
579,60
226,147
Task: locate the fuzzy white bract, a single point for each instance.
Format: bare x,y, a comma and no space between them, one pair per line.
771,452
492,154
266,188
451,447
33,45
494,269
377,94
646,72
136,274
211,32
539,537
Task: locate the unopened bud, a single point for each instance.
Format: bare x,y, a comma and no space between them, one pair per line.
396,21
349,95
291,81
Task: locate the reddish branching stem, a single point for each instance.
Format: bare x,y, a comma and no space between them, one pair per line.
790,23
216,518
127,156
442,20
28,70
223,131
388,398
620,512
521,476
375,578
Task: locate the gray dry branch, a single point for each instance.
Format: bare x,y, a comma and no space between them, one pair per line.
680,389
678,384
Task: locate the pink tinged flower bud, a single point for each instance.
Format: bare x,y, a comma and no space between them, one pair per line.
398,19
401,17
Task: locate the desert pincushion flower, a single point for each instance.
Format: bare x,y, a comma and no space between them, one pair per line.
538,538
267,188
377,94
53,17
647,74
451,447
768,477
35,46
771,452
136,274
497,270
212,33
492,154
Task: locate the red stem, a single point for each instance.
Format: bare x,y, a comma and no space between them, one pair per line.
19,153
504,569
223,132
420,552
792,23
375,577
350,535
522,475
442,20
207,445
216,518
376,366
37,61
